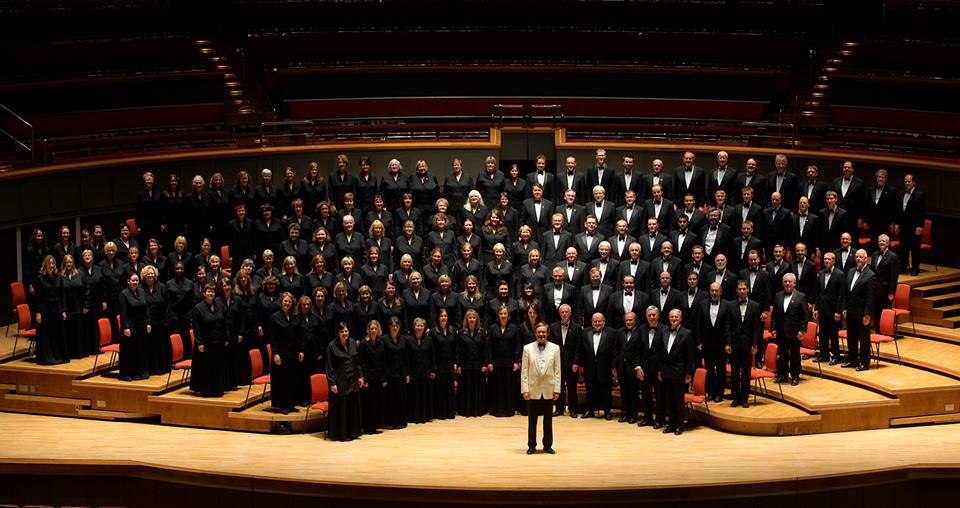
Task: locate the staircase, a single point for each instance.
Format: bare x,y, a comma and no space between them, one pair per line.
935,300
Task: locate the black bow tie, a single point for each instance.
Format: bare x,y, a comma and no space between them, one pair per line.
589,235
754,270
714,302
803,215
539,172
628,293
713,228
664,292
656,202
788,295
688,169
692,292
828,271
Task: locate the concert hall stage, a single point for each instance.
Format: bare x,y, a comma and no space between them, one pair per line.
854,436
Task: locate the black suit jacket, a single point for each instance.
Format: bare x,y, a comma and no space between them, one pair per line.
591,179
916,211
554,254
807,279
648,352
737,258
858,297
811,232
578,185
528,216
637,223
584,253
788,323
747,330
572,219
666,182
666,219
788,189
586,306
851,261
855,200
776,279
641,274
761,191
579,272
713,336
606,219
617,251
600,363
816,192
697,187
887,271
721,243
696,219
609,276
728,284
702,272
570,295
728,184
549,186
830,233
830,295
677,363
760,292
754,215
658,266
616,309
691,308
648,253
674,300
882,212
568,348
637,185
776,228
684,251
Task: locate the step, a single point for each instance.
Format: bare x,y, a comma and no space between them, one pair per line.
764,417
944,312
949,323
99,414
936,289
932,332
38,404
943,300
940,357
925,420
262,418
817,395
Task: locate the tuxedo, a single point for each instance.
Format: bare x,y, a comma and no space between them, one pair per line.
759,287
830,303
690,306
609,274
573,217
850,261
597,364
620,248
587,306
815,192
753,214
886,266
553,251
746,333
696,219
757,182
549,186
713,334
721,241
787,323
806,277
697,185
637,185
666,182
593,178
776,271
728,283
740,251
578,272
702,272
647,357
673,266
832,229
808,234
641,274
912,211
630,343
788,188
539,380
881,210
676,363
666,218
858,301
617,308
575,181
569,345
529,217
854,201
684,250
637,221
728,183
775,228
650,246
606,216
551,303
584,252
672,300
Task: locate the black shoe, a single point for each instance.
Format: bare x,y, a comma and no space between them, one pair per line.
679,430
861,368
126,378
645,422
718,398
915,272
573,414
531,451
558,413
623,419
631,421
804,357
607,416
794,382
849,365
735,403
588,414
745,404
285,411
667,430
551,451
834,361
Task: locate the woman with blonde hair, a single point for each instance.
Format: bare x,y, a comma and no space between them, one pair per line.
287,347
50,314
471,366
423,370
158,351
74,289
374,380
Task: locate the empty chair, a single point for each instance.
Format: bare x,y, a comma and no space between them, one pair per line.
901,304
769,370
319,393
808,346
257,377
106,336
176,343
699,391
887,327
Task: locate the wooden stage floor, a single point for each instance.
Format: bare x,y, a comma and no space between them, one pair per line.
482,455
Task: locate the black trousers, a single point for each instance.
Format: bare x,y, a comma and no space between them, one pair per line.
715,359
829,340
629,392
673,390
741,361
599,391
568,389
788,357
909,244
858,340
651,397
536,408
880,302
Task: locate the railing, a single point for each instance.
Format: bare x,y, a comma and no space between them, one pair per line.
20,122
305,132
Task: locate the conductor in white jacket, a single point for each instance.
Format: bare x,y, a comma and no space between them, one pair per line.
540,386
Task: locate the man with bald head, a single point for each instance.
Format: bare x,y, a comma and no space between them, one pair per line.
630,344
858,302
721,177
598,348
714,324
788,323
657,176
566,333
777,224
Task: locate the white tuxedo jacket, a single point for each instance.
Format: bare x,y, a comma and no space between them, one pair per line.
534,381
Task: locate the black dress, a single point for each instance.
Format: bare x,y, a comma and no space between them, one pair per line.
181,293
231,352
470,388
51,346
208,377
372,395
423,365
504,352
286,342
113,283
75,337
245,324
445,344
415,306
158,350
135,316
395,363
93,299
311,335
344,371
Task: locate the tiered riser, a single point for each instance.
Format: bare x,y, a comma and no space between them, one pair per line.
935,297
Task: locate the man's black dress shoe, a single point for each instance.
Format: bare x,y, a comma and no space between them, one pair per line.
862,368
849,365
794,382
531,451
622,419
667,430
631,421
735,403
551,451
607,416
678,431
588,414
834,361
745,404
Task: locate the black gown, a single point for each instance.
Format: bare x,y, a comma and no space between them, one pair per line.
372,395
503,353
445,344
182,295
471,385
344,371
113,283
286,341
208,377
158,350
135,316
423,364
396,370
51,346
75,336
93,299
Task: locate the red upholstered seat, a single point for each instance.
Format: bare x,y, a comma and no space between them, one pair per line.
257,377
887,327
106,337
699,390
319,393
901,304
809,344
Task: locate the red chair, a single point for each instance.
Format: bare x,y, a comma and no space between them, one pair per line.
18,296
176,346
769,371
256,375
269,359
926,240
863,238
25,327
132,224
319,396
699,391
226,262
887,326
808,346
106,336
901,304
767,325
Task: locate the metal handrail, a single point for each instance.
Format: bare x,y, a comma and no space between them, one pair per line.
14,138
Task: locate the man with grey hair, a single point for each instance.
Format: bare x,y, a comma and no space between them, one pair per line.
881,206
783,181
605,211
721,177
789,322
688,177
858,302
886,265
